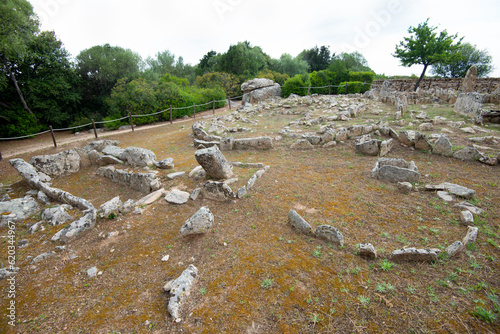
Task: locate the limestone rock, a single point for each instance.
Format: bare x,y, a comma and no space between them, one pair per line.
472,208
454,189
259,89
200,222
150,198
43,198
114,151
100,145
367,146
395,170
217,191
241,192
454,248
443,146
127,207
468,154
421,142
139,157
471,235
467,217
386,147
66,162
19,209
426,127
407,137
405,187
180,289
445,196
258,143
298,222
214,163
471,105
469,82
414,254
177,197
105,160
330,233
194,195
167,163
367,250
110,208
173,176
56,215
42,257
227,144
302,144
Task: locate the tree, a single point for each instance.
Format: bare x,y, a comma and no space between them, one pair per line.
289,65
353,61
17,27
165,62
426,47
317,58
100,67
243,59
207,63
468,55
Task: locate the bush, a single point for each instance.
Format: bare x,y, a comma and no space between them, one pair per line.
229,83
353,87
295,86
274,76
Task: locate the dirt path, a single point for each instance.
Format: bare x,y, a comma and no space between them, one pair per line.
10,149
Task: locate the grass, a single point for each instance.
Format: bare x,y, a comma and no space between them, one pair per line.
484,314
386,265
267,283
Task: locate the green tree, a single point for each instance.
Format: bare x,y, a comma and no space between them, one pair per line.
317,58
229,83
289,65
426,47
100,67
353,61
166,62
18,25
468,55
243,59
207,63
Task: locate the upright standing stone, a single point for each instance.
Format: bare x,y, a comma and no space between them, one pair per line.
469,82
214,163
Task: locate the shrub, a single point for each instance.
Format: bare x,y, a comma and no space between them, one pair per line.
230,84
274,76
353,87
295,86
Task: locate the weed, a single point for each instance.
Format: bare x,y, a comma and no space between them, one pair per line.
411,289
364,300
386,265
315,318
483,314
384,287
203,290
267,283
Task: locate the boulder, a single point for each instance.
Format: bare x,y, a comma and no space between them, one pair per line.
386,147
454,248
414,254
421,142
139,157
18,209
259,89
407,137
54,165
470,105
302,144
180,289
100,145
298,222
214,163
330,233
199,223
469,81
114,151
368,147
468,154
167,163
471,235
443,146
105,160
258,143
367,250
395,170
467,217
110,208
56,215
177,197
405,187
217,191
226,144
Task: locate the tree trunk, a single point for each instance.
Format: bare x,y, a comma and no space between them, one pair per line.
421,77
19,92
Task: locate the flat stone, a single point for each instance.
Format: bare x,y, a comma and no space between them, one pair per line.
194,195
200,222
298,222
467,206
445,196
173,176
42,257
217,191
302,144
330,233
19,209
241,192
177,197
110,208
180,289
454,248
167,163
468,154
114,151
367,250
414,254
467,217
57,215
92,272
151,198
386,147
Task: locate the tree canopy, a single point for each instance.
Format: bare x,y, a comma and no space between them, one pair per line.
353,61
317,58
468,55
426,47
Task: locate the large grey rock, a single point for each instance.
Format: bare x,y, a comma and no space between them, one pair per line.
471,105
386,147
302,144
468,154
18,209
467,206
298,222
443,146
367,146
114,151
330,233
469,81
454,248
139,157
198,131
100,145
259,89
105,160
167,163
367,250
414,254
150,198
180,289
177,197
143,182
43,198
214,163
217,191
84,223
226,144
405,187
110,208
255,84
471,235
395,170
66,162
407,137
458,190
200,222
421,142
258,143
56,215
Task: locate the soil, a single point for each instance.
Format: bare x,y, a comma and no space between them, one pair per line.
257,274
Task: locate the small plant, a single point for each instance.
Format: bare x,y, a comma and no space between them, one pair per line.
386,265
411,289
315,318
483,314
317,252
203,290
364,300
384,287
267,283
112,215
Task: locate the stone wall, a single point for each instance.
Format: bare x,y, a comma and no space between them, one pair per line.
483,85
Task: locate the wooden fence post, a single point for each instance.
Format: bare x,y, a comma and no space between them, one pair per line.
95,130
194,110
329,91
229,99
346,88
53,137
308,90
170,114
213,106
131,123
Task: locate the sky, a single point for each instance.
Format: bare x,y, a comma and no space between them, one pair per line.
191,28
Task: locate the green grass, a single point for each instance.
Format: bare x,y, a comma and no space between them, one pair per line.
485,315
266,283
386,265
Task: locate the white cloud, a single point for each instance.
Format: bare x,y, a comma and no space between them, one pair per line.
191,28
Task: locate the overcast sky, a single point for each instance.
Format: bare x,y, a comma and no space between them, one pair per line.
191,28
